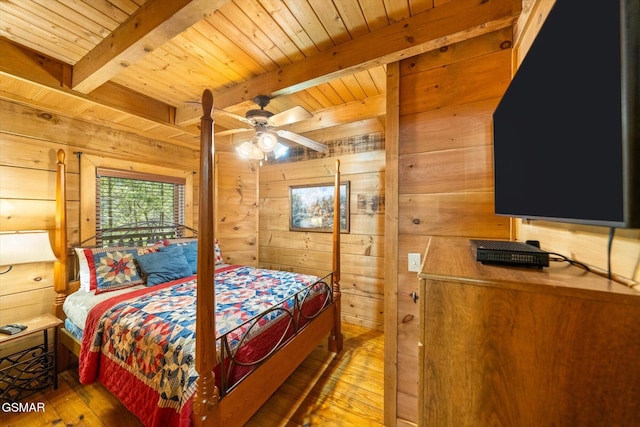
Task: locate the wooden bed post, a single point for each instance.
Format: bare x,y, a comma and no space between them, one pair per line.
336,339
60,237
205,402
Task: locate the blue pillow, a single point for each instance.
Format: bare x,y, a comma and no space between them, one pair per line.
164,266
190,251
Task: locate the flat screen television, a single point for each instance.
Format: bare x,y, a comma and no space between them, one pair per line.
566,132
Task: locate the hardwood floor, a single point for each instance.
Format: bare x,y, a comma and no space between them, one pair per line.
326,390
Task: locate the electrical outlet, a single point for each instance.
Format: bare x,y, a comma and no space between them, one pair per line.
414,262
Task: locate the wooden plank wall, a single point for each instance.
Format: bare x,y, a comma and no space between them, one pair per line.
237,208
582,243
362,250
445,171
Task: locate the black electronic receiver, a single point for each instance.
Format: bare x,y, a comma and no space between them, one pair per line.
509,253
12,329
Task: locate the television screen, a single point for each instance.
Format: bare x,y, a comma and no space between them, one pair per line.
566,131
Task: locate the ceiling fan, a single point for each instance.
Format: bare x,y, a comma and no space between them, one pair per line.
267,137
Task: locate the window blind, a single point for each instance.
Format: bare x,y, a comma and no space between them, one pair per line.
129,199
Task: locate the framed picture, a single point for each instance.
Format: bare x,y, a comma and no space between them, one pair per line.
312,207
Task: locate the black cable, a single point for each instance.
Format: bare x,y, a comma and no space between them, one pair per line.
569,260
612,231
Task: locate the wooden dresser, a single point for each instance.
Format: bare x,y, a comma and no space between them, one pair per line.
506,346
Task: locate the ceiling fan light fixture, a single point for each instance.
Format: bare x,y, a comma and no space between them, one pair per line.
249,151
265,123
267,142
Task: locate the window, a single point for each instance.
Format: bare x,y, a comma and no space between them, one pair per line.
130,206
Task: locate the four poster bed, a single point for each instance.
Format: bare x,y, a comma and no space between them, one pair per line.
142,343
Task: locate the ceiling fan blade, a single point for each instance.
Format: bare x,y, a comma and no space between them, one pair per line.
289,116
231,115
302,140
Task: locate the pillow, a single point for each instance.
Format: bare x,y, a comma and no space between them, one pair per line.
164,266
217,252
108,269
189,250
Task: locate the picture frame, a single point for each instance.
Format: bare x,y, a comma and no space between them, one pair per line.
311,207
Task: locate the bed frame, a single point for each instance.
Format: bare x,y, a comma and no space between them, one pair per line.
210,408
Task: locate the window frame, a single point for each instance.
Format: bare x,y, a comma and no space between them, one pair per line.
89,165
177,184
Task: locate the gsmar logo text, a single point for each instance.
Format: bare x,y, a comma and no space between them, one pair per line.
23,407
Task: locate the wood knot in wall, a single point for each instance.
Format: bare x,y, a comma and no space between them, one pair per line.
47,116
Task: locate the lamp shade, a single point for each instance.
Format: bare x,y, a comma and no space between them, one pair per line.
24,247
267,142
249,151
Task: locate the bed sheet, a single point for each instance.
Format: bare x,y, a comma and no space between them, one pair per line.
78,305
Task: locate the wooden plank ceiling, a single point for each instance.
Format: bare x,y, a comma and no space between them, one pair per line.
143,64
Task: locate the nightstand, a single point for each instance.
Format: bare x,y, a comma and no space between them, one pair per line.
33,369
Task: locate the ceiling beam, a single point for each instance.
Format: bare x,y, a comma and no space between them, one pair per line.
341,114
155,23
441,26
29,66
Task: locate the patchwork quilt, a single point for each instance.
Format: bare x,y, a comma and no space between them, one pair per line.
141,345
